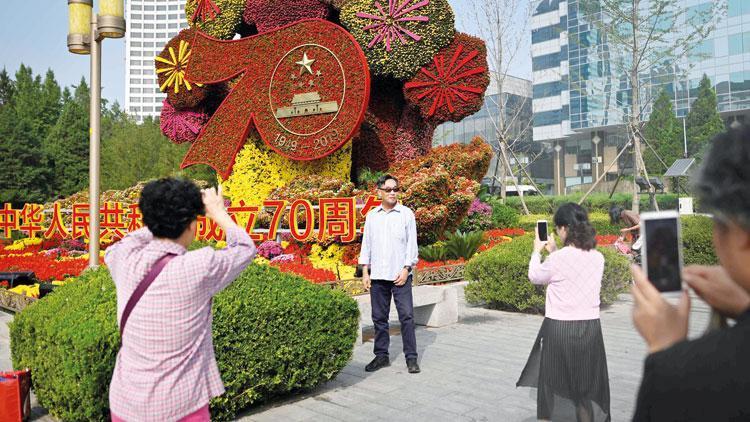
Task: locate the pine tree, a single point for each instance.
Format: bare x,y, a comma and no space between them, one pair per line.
67,144
24,176
663,132
6,88
703,120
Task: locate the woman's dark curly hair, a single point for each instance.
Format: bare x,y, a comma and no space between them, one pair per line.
169,205
581,233
723,183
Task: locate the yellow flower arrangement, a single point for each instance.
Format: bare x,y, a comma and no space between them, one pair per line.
259,260
30,291
329,258
21,244
258,170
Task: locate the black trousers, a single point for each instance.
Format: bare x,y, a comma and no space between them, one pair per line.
381,292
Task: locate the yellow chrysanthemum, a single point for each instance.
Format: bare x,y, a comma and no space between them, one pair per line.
175,69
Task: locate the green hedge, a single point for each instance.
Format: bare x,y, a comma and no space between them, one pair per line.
594,202
697,240
273,333
599,220
499,277
503,216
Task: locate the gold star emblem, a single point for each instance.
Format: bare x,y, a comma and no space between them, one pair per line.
305,63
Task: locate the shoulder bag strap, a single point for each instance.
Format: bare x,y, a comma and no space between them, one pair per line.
141,289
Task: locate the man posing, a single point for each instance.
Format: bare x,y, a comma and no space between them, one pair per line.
389,252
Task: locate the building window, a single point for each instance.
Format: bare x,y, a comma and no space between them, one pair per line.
548,89
173,7
136,7
135,109
135,90
547,6
136,34
136,16
148,35
135,62
546,61
545,34
148,8
135,99
134,81
737,8
173,16
135,71
183,25
161,26
135,43
703,50
172,26
148,26
135,53
161,8
148,109
135,26
148,44
161,17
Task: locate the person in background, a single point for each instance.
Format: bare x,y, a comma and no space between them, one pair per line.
389,253
631,220
165,369
567,364
708,378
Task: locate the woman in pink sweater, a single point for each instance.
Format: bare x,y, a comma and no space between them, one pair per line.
567,364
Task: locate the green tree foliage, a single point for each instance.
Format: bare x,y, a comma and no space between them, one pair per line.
67,145
703,120
7,87
137,152
663,132
24,123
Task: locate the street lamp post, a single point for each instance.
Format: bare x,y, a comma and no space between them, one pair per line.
595,140
86,31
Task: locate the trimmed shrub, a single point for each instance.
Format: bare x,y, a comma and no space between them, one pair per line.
697,240
273,333
499,277
594,202
503,216
599,220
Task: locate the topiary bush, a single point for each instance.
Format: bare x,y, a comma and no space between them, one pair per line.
499,277
273,333
697,240
595,202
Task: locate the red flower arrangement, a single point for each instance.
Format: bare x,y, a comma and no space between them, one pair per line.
268,15
306,271
374,146
275,62
504,232
452,86
606,239
46,268
426,264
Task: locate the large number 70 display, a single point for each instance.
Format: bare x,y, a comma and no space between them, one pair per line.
305,87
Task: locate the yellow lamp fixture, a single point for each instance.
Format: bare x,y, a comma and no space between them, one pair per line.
79,26
111,20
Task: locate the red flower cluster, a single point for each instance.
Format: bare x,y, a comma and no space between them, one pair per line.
306,271
45,268
452,86
266,15
426,264
504,232
606,239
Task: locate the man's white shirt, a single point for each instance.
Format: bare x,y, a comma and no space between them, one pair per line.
389,242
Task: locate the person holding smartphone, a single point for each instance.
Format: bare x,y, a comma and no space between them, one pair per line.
567,364
708,378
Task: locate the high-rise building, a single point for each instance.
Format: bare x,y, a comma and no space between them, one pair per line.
580,102
517,99
151,24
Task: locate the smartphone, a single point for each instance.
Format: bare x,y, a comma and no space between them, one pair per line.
541,228
661,253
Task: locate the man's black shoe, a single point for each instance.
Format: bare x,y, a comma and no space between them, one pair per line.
377,363
412,365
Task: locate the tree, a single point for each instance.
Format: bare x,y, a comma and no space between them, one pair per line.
645,37
138,152
23,129
6,88
67,145
663,135
703,120
503,25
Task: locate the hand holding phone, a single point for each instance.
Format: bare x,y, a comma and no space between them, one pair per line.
541,229
662,250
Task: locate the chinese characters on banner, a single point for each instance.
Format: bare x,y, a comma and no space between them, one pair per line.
333,217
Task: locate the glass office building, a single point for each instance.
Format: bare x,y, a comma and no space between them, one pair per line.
581,100
517,97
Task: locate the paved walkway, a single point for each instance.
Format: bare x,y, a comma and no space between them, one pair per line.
469,372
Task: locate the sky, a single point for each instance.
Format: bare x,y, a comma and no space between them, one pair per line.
34,33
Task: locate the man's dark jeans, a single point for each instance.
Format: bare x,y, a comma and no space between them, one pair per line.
380,298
